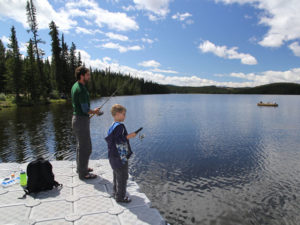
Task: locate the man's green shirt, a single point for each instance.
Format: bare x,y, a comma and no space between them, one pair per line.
80,95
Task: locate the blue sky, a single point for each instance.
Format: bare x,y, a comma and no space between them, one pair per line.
233,43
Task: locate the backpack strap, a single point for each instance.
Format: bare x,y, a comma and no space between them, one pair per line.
111,129
56,184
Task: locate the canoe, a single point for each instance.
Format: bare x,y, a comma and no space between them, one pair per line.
267,104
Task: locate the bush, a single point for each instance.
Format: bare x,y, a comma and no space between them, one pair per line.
2,97
54,95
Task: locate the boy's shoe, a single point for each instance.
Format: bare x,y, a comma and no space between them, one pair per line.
124,200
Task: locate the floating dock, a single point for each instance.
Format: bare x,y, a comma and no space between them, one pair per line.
77,202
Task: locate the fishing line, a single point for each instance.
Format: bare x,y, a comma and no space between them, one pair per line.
111,96
141,136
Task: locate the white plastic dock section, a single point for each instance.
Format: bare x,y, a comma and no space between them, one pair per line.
77,202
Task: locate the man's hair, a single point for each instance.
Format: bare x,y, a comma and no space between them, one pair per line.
80,71
117,108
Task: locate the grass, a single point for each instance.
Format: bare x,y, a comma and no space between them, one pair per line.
57,101
8,101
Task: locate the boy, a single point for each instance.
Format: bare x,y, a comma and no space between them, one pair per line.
119,151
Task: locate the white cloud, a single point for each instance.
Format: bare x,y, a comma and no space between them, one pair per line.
83,30
227,53
15,9
189,22
154,64
120,48
65,18
292,75
89,9
23,47
128,8
181,17
247,17
106,59
113,1
164,71
117,36
149,63
158,7
281,16
253,79
88,23
153,17
5,39
147,40
295,47
115,21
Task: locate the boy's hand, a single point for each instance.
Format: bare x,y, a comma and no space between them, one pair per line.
132,135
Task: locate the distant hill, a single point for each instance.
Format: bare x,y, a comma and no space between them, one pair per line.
275,88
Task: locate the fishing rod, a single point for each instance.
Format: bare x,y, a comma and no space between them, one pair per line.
111,96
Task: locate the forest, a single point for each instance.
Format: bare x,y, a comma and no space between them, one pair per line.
33,79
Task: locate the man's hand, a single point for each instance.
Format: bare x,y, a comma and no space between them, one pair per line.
96,111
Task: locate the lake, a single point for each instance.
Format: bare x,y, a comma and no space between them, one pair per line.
205,159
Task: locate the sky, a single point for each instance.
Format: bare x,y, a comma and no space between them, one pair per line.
228,43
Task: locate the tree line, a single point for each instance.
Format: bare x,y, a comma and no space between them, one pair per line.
34,80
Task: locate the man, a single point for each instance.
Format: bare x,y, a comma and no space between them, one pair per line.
81,122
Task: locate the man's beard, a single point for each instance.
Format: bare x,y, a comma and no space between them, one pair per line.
86,81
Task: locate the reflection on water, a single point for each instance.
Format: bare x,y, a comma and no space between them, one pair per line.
28,132
205,159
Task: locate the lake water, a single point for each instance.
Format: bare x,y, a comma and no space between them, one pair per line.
205,159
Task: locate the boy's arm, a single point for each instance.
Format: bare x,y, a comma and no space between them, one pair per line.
132,135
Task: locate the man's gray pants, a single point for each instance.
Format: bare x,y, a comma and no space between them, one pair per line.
81,129
120,177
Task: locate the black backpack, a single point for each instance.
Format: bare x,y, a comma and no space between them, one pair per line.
40,176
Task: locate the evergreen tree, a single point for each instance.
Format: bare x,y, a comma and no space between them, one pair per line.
65,66
56,58
31,19
72,63
93,84
47,72
31,73
2,67
14,66
79,62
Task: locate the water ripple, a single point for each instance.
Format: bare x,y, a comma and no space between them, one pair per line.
205,159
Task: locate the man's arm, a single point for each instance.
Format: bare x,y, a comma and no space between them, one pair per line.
86,109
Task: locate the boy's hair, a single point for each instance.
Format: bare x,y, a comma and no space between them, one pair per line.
80,71
117,108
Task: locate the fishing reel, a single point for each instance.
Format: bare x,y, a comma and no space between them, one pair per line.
141,136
